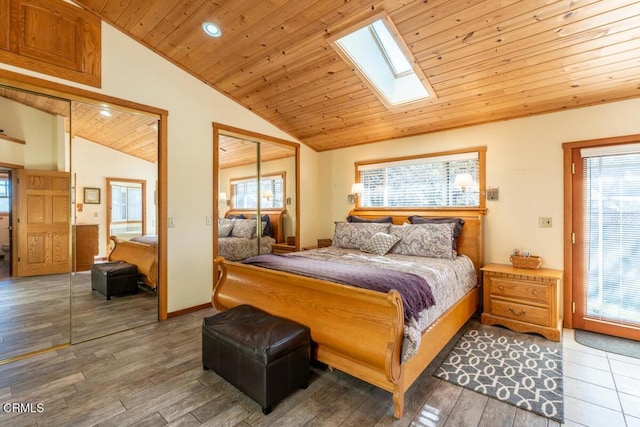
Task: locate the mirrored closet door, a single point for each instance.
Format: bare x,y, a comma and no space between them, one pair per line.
55,208
114,204
257,189
35,205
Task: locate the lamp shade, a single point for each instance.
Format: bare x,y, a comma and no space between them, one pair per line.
357,188
267,194
463,180
222,196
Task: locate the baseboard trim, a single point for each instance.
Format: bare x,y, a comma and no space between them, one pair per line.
188,310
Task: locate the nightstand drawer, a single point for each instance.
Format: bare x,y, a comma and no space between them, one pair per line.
522,312
518,289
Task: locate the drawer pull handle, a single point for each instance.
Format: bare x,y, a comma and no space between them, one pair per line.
522,313
535,292
501,287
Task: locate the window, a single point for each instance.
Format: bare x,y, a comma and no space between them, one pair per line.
244,192
5,194
383,59
424,181
126,203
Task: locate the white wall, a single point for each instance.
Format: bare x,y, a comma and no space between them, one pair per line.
112,164
524,159
42,133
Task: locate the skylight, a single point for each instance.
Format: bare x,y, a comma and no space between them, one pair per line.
392,53
381,60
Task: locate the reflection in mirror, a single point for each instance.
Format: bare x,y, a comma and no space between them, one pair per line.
35,223
280,161
237,223
257,179
115,220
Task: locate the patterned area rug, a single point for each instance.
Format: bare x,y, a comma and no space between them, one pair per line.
524,370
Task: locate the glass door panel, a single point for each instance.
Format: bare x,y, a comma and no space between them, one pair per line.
607,275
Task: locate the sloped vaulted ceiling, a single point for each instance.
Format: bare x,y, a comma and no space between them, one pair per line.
486,60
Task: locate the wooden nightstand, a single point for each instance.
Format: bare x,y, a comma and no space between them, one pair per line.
325,243
282,248
523,300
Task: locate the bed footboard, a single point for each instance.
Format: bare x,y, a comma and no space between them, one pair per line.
143,255
355,330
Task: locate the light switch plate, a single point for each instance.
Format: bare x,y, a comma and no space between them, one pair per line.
545,222
492,194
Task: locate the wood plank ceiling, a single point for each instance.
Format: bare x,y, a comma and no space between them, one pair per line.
133,134
486,60
237,152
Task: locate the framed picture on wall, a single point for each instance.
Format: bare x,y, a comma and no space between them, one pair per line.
91,196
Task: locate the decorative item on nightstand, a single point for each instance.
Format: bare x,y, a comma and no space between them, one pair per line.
532,262
523,259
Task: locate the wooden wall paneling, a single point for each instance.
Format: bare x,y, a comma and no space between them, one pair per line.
52,37
5,24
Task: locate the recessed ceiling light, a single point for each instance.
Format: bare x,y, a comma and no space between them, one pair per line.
212,29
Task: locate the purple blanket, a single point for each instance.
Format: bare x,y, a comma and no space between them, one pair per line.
414,290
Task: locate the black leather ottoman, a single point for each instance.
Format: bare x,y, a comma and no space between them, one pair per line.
264,356
114,278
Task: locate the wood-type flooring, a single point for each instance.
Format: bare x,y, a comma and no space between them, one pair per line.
152,376
37,312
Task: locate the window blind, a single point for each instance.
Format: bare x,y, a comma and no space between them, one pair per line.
612,233
422,182
245,192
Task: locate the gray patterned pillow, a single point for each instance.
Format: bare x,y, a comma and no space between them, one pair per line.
428,240
380,243
244,228
352,235
224,227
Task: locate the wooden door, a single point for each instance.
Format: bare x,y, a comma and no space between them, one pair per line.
43,222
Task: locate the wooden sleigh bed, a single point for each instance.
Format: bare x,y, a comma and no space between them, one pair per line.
356,330
143,254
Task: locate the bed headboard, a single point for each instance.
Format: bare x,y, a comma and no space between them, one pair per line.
470,240
276,217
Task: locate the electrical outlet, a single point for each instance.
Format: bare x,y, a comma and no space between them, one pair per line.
544,222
